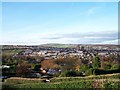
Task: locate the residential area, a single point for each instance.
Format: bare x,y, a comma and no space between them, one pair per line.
38,57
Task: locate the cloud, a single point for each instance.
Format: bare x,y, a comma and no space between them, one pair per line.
92,10
66,38
86,38
116,41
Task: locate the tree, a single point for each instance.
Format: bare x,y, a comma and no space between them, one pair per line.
69,63
115,67
107,65
77,68
84,68
23,69
47,64
37,67
96,62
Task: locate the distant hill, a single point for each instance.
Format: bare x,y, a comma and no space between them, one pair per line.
61,45
58,45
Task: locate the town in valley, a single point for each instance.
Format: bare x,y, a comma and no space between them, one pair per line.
54,59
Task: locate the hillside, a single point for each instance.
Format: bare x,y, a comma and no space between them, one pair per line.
99,81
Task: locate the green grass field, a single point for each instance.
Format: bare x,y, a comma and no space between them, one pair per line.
10,52
100,81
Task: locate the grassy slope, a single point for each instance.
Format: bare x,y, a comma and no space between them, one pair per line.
101,81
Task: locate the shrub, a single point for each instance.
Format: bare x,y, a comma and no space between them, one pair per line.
72,73
115,67
89,71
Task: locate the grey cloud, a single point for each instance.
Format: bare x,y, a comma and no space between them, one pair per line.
96,34
83,35
92,37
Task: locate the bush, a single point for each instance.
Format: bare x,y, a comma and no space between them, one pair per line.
89,71
98,71
72,73
107,65
115,67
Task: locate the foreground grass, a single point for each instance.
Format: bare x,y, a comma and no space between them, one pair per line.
80,84
101,81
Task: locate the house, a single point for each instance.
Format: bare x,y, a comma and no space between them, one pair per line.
37,74
52,71
28,51
4,66
102,53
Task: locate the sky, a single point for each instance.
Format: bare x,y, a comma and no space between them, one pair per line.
35,23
